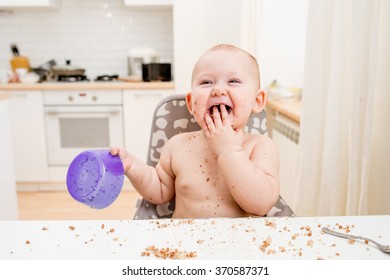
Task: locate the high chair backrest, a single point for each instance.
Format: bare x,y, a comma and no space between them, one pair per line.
171,117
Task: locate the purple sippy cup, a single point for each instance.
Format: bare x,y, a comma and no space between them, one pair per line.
95,178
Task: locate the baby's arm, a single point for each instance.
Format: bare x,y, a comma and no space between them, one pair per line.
252,179
154,184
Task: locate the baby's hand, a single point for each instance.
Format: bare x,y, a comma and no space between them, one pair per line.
220,133
124,156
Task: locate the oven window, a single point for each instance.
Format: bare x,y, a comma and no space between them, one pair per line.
84,132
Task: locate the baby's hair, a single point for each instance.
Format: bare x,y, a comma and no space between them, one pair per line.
234,48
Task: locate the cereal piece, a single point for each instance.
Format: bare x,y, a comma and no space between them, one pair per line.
45,229
167,252
102,226
200,241
112,230
27,242
351,241
266,243
71,227
270,224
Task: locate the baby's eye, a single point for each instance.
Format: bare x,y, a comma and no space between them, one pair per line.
206,82
234,81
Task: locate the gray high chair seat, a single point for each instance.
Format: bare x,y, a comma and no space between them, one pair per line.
171,117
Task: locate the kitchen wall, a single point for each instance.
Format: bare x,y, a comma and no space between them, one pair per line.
94,34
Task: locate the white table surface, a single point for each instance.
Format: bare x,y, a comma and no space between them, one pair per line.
220,239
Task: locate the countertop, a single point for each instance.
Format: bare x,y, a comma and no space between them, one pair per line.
297,238
289,108
87,86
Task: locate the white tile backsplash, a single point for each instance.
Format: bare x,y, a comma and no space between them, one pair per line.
93,34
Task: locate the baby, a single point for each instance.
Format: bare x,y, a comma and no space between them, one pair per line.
219,171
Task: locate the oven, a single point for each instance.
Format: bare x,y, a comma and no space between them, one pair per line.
81,120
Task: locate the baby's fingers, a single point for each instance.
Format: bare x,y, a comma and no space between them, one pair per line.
114,151
224,115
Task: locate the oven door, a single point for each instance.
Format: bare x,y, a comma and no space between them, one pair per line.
71,130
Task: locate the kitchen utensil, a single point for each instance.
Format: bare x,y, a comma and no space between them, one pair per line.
29,78
156,72
384,248
67,70
44,71
95,178
19,61
139,56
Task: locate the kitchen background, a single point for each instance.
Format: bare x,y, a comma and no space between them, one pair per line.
94,34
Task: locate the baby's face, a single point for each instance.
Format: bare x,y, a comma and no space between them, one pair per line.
228,77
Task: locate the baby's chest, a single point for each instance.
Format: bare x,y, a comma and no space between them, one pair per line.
198,173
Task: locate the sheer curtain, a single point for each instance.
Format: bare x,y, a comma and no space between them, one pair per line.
337,107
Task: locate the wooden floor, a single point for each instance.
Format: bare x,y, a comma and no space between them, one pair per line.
59,205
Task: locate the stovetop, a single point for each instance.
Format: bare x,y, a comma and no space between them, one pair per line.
84,78
107,78
72,78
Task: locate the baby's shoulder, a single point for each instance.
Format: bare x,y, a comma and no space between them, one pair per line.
181,138
259,141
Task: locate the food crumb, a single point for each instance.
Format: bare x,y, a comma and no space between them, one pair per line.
45,229
270,224
167,252
200,241
112,230
266,243
27,242
351,241
71,227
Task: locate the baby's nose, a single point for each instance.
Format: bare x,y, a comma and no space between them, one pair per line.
219,91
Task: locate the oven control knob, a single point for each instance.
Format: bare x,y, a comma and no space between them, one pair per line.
94,98
70,98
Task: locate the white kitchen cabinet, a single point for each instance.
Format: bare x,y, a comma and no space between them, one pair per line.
149,3
8,199
28,135
29,3
138,113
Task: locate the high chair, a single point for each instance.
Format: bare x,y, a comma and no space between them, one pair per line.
171,117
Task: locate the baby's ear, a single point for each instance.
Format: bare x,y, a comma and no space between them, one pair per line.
189,102
260,101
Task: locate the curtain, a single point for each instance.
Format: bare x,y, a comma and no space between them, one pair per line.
337,108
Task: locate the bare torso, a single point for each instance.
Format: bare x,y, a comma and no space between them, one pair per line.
200,187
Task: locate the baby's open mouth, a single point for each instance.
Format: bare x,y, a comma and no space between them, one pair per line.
218,106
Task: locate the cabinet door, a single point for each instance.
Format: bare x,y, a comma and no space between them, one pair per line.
138,113
28,136
8,200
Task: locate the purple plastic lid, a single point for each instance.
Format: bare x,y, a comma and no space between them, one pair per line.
95,178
